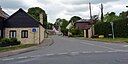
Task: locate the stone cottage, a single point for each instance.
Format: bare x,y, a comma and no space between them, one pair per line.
22,26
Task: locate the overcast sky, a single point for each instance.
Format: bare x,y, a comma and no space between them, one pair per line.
65,8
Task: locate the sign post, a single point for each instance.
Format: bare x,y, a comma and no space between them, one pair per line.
34,30
112,30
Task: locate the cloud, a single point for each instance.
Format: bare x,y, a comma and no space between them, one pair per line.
12,4
65,9
80,2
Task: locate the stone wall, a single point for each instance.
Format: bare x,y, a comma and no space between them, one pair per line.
33,37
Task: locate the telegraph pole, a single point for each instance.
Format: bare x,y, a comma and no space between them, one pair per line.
102,17
90,10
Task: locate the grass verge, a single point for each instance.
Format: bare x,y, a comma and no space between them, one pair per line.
4,49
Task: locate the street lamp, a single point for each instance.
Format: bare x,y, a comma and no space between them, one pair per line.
112,30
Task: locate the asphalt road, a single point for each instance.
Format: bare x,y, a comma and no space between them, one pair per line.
73,51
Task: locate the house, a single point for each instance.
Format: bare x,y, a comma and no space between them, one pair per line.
87,25
25,28
3,16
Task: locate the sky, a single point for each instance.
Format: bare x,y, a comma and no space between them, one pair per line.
65,8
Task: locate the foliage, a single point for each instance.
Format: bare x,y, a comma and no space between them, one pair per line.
75,31
35,11
9,42
74,19
63,26
110,17
120,28
49,25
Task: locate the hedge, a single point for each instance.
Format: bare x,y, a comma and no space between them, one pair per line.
9,42
120,28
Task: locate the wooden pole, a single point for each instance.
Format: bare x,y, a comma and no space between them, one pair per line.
90,10
102,17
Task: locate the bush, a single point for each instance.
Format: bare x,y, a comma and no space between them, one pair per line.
120,28
9,42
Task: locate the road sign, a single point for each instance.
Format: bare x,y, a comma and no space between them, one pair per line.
34,30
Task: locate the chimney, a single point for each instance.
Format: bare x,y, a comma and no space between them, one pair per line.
41,18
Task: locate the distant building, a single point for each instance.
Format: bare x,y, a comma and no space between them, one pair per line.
87,25
22,26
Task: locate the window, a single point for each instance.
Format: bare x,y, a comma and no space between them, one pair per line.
24,34
12,34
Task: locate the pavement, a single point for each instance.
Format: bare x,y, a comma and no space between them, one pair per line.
66,50
45,43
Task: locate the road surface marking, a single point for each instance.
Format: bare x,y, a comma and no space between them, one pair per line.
62,53
99,46
49,54
125,46
74,53
66,53
7,59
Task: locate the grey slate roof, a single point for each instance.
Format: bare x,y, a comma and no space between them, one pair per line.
3,14
21,19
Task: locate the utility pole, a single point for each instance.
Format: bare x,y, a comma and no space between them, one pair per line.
102,17
90,10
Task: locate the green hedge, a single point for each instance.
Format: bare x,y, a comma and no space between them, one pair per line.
120,28
9,42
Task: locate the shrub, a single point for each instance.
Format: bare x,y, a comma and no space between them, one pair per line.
9,42
120,28
13,41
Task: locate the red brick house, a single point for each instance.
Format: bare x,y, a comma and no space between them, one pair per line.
87,25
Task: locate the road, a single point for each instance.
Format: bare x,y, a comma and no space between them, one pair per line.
73,51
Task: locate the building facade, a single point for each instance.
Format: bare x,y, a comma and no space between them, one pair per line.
25,28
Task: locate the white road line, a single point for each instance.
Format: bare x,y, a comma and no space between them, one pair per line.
22,57
7,59
49,54
100,46
62,53
125,46
66,53
74,53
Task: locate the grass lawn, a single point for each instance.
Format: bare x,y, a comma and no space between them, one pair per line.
109,40
4,49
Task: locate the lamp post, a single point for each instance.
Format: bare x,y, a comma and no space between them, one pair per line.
112,30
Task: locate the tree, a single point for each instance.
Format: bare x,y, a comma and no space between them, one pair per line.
123,15
110,17
74,19
74,30
49,25
35,11
62,23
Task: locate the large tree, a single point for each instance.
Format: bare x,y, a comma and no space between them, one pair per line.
35,11
109,17
74,19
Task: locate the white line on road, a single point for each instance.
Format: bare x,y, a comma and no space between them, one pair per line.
100,46
65,53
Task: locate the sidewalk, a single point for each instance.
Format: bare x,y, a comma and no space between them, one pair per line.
46,42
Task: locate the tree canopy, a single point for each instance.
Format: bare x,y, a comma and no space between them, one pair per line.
74,19
35,11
